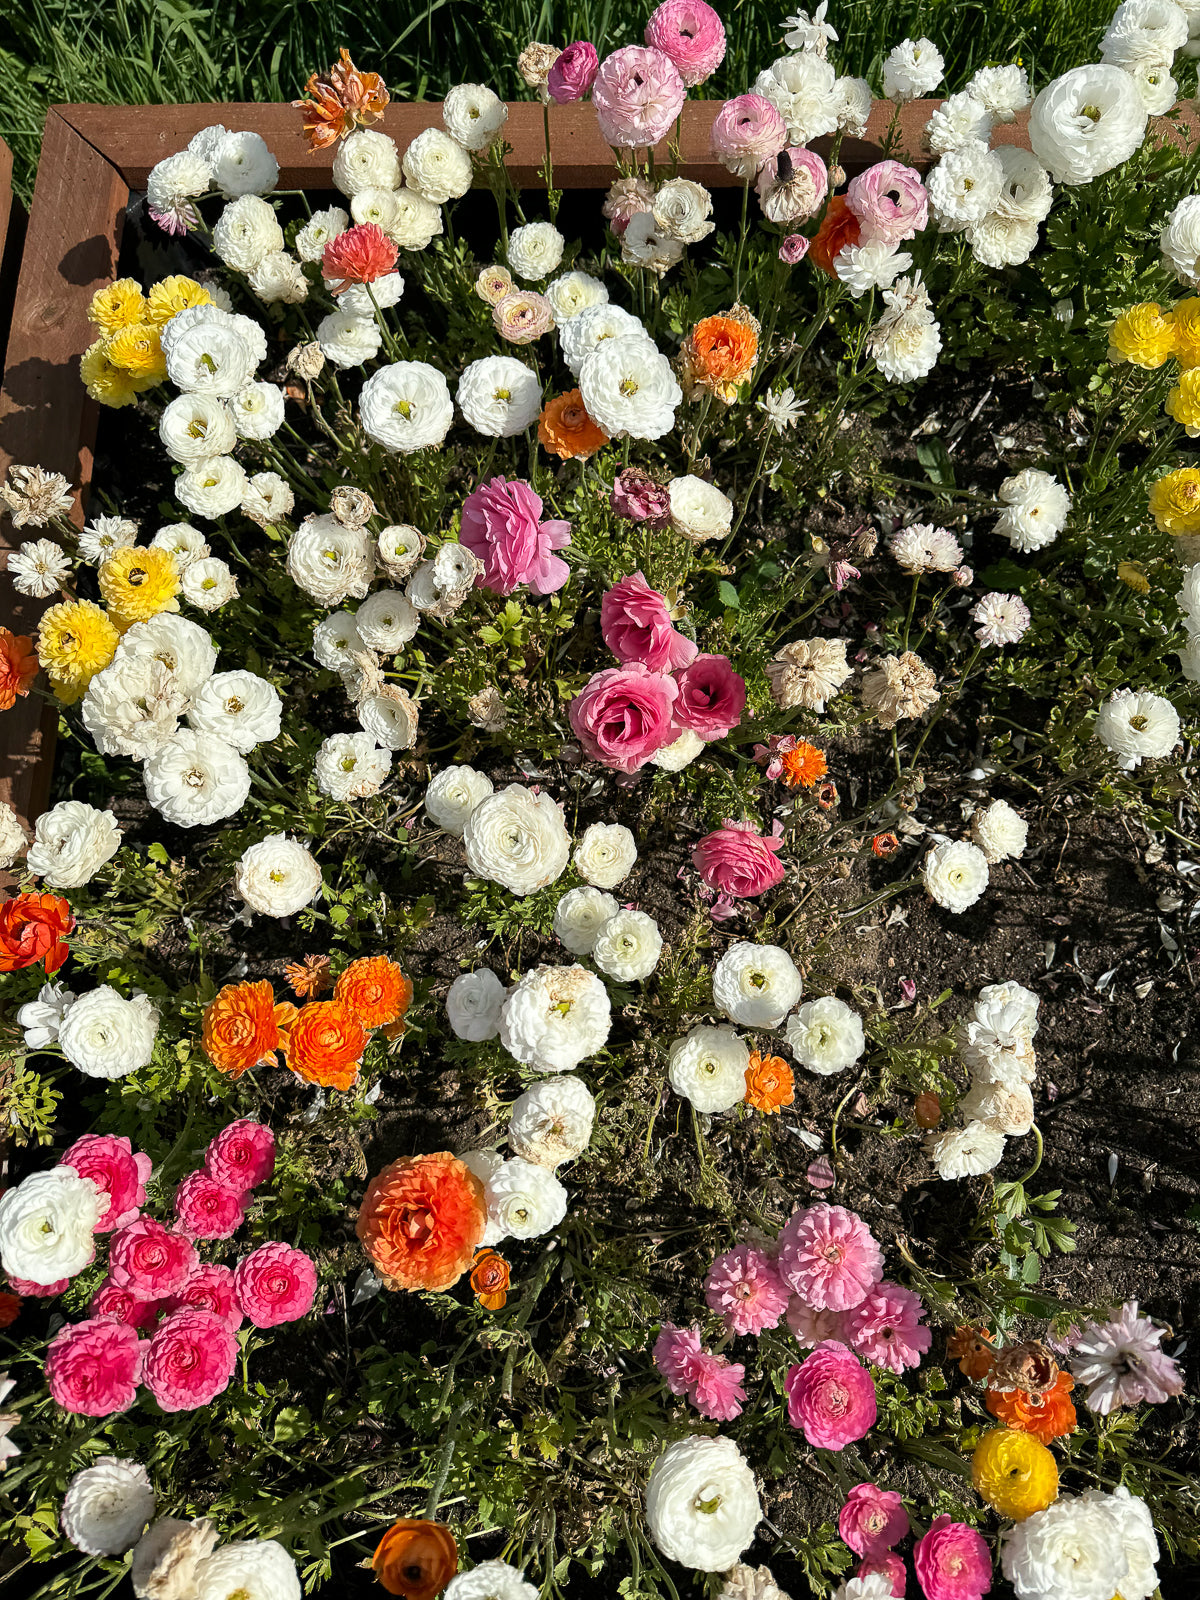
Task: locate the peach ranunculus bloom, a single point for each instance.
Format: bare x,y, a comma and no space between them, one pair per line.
342,100
490,1280
243,1026
566,430
422,1220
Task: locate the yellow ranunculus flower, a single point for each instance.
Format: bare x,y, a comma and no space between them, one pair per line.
1183,402
118,306
138,582
109,384
1187,331
1175,501
1132,575
171,295
1144,334
137,351
75,642
1014,1473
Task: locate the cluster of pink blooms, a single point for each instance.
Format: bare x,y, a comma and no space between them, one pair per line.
158,1284
502,527
663,689
952,1561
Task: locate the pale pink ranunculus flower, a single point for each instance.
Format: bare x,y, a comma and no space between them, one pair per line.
889,201
675,1355
623,716
886,1328
501,524
747,132
738,861
829,1257
626,199
692,35
637,94
636,623
793,249
745,1289
717,1392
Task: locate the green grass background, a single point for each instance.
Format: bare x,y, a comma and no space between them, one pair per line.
162,51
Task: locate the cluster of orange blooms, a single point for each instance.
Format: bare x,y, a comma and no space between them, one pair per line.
1024,1386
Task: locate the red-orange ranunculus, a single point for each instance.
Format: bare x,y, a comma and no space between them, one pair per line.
416,1558
375,990
839,227
18,666
1046,1416
490,1280
325,1044
243,1026
421,1221
33,928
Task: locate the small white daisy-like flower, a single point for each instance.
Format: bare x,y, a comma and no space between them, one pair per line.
104,535
782,410
39,568
1002,619
924,548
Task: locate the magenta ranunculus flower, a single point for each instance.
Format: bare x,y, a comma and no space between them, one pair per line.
889,201
33,1291
890,1566
746,132
109,1301
692,34
93,1367
623,716
275,1284
501,524
242,1155
831,1397
190,1360
712,697
829,1257
952,1562
872,1520
886,1328
149,1260
676,1351
110,1162
636,623
206,1209
573,73
743,1287
637,94
210,1288
794,248
717,1392
637,497
739,861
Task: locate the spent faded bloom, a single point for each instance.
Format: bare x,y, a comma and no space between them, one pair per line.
35,497
39,568
534,64
1121,1362
900,688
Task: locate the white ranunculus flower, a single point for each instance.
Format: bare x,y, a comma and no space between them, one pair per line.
210,354
490,1580
196,779
682,208
437,167
400,547
756,985
956,874
1158,89
474,115
826,1036
572,293
1189,659
591,327
708,1067
39,568
960,119
245,232
679,753
453,794
406,406
535,250
852,100
702,1503
194,427
331,562
348,341
372,205
366,160
71,842
873,265
175,332
386,622
13,841
1138,1540
964,185
699,510
184,648
107,1506
1137,726
628,387
133,707
1009,1111
164,1562
361,299
555,1018
1036,511
212,488
256,1569
913,68
906,339
1003,90
628,946
320,228
417,221
204,144
999,831
209,584
257,410
517,838
41,1019
499,396
243,165
580,915
645,244
1000,240
1180,241
268,498
1027,194
185,543
606,854
239,707
391,717
107,1036
350,766
1087,122
552,1122
996,1039
968,1151
801,88
525,1199
279,279
46,1224
1073,1550
277,876
177,179
474,1004
1144,33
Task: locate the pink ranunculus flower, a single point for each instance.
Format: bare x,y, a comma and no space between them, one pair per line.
149,1260
210,1288
810,1327
109,1301
93,1367
739,861
275,1284
242,1155
637,497
886,1328
637,94
692,34
206,1209
831,1397
112,1165
191,1359
712,697
32,1291
623,716
889,201
793,249
717,1392
952,1562
872,1520
676,1352
636,623
573,73
744,1288
501,524
890,1566
747,132
793,186
829,1257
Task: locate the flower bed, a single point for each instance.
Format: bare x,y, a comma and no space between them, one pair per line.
448,968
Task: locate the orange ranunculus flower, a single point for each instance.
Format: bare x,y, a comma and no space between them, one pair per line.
343,100
802,765
839,227
720,353
375,991
421,1221
309,977
243,1026
416,1558
33,928
10,1308
769,1083
1046,1416
325,1044
490,1280
884,845
970,1347
566,430
18,666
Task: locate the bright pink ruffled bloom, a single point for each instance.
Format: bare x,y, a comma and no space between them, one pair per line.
93,1367
637,94
501,524
676,1351
206,1209
210,1288
746,132
361,254
275,1284
739,861
636,496
636,623
891,1566
113,1167
831,1397
886,1328
889,201
191,1359
623,716
149,1260
242,1155
872,1520
829,1257
692,35
952,1562
712,697
717,1392
811,1327
31,1291
744,1287
109,1301
794,248
573,74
